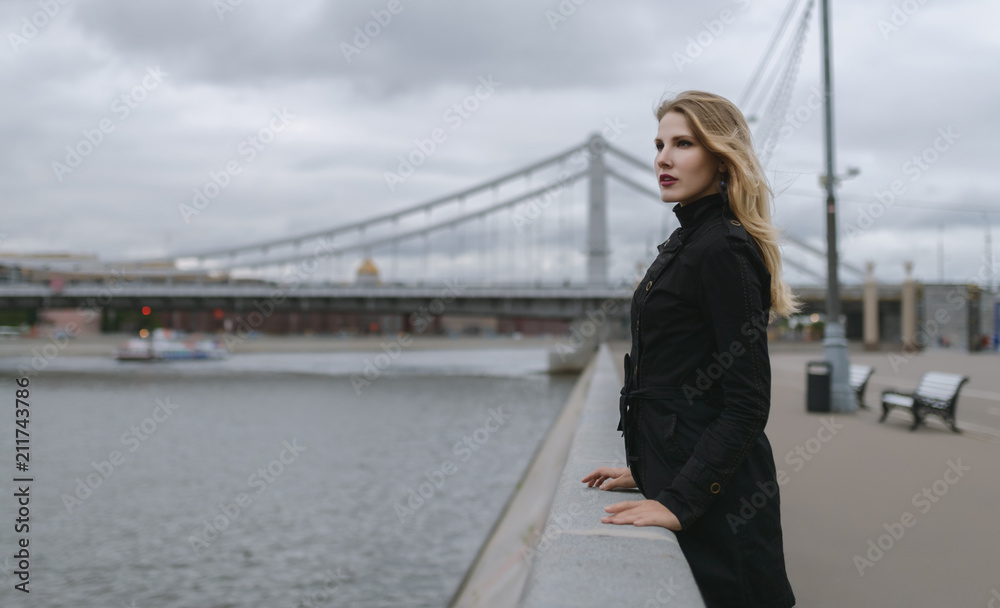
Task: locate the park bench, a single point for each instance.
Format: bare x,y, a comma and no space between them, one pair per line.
859,376
936,394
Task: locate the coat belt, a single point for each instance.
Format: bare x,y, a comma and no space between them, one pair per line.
668,396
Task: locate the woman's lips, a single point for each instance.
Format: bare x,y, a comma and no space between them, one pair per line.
668,181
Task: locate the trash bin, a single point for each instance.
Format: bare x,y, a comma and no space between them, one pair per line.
818,375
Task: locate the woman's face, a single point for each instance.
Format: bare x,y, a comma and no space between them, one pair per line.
685,169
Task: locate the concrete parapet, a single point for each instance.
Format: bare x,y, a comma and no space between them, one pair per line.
497,575
579,561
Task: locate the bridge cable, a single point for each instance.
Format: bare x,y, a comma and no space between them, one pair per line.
461,235
354,226
767,90
803,268
642,166
530,243
766,58
396,236
495,238
395,251
794,240
783,94
561,229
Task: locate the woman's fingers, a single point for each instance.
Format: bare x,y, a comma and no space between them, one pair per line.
625,517
622,480
625,512
622,506
641,513
597,476
622,519
609,478
612,483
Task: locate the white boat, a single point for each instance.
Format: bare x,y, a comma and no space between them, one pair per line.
170,344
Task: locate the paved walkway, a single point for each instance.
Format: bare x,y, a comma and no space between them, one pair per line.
876,516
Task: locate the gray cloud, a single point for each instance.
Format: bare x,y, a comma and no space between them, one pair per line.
420,47
559,84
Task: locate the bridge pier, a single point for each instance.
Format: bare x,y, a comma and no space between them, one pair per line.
597,231
587,333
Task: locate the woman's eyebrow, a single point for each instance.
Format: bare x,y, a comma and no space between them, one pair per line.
675,137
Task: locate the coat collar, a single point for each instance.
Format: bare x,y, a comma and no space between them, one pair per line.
696,212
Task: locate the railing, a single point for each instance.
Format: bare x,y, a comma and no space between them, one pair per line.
581,562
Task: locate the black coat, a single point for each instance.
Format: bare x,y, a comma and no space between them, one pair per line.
695,402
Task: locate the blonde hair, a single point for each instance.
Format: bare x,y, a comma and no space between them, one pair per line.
719,125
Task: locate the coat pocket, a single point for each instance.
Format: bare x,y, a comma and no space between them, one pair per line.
635,452
662,453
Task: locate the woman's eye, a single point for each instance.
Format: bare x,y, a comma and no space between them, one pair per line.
683,143
659,145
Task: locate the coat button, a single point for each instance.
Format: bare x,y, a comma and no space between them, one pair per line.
735,223
715,488
648,285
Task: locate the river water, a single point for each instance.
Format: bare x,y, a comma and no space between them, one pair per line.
268,480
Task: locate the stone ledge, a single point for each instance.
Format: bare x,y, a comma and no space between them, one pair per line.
579,561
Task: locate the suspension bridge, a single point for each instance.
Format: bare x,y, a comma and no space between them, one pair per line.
528,229
525,244
533,242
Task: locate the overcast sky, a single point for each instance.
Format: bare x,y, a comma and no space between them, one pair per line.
168,93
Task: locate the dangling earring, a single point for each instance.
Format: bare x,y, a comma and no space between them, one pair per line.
723,191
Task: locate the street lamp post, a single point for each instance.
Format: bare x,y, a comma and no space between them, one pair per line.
835,340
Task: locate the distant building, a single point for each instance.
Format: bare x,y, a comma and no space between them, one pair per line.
368,273
60,270
469,325
68,321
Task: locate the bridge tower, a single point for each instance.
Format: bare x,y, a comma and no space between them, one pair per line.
597,229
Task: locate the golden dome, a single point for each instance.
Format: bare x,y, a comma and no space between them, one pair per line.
368,268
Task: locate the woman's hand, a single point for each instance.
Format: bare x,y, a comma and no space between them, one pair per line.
641,513
609,478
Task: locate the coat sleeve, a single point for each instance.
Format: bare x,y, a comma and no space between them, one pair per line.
735,295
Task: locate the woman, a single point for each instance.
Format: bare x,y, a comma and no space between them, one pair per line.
697,380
